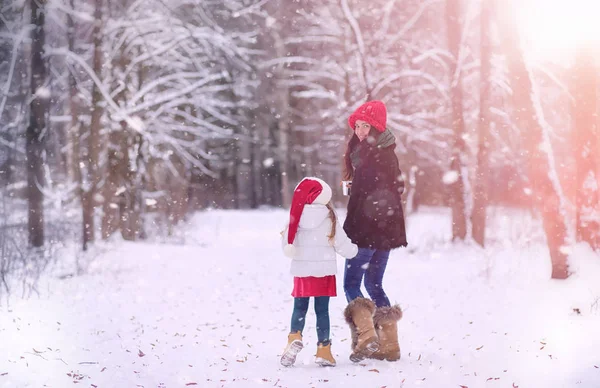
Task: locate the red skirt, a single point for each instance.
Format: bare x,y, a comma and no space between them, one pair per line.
311,286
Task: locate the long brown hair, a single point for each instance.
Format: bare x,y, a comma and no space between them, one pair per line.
348,171
333,219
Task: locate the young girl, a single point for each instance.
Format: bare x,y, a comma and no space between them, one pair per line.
311,239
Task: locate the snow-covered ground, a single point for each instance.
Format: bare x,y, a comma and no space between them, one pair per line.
212,309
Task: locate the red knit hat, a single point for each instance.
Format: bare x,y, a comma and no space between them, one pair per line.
373,112
309,190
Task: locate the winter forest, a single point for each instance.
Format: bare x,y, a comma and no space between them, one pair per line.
165,138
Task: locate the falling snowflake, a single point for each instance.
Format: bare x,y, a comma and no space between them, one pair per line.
43,93
450,177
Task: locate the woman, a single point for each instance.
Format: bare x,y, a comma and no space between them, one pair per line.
374,222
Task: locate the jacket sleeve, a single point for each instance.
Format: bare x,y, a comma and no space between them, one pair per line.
342,244
284,234
390,172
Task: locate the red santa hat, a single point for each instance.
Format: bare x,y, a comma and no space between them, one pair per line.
373,112
309,191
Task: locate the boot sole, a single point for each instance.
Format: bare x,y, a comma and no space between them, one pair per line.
371,348
323,362
377,356
288,358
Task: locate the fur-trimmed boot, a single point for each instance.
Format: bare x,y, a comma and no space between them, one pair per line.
294,346
359,315
324,356
385,320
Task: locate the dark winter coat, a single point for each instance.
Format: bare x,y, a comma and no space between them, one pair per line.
375,217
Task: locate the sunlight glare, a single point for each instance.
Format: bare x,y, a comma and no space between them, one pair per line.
555,29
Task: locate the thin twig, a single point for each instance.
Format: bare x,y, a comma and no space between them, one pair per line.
37,354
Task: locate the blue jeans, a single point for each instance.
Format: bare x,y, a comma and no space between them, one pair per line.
371,264
322,312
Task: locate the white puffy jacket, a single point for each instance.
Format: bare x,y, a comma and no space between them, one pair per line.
314,254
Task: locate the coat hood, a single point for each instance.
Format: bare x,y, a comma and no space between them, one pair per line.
313,216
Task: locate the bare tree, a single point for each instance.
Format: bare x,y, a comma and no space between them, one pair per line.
36,131
480,194
546,189
360,48
458,170
91,185
118,188
74,129
586,149
283,115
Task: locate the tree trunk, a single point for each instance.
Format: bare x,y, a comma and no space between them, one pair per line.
177,190
132,206
480,200
586,149
286,195
89,197
412,202
114,181
73,134
542,174
284,151
35,138
283,121
457,184
243,172
134,175
258,153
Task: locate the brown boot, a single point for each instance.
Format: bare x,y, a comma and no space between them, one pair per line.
359,315
294,346
353,335
324,356
385,320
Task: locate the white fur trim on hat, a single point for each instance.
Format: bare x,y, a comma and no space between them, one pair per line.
325,196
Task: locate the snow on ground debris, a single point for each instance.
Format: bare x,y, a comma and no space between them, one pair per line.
214,311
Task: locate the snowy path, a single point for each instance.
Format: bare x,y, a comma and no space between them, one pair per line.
215,312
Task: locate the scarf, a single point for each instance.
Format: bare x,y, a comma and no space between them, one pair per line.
385,139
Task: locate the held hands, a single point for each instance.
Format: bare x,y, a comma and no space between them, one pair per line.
355,250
